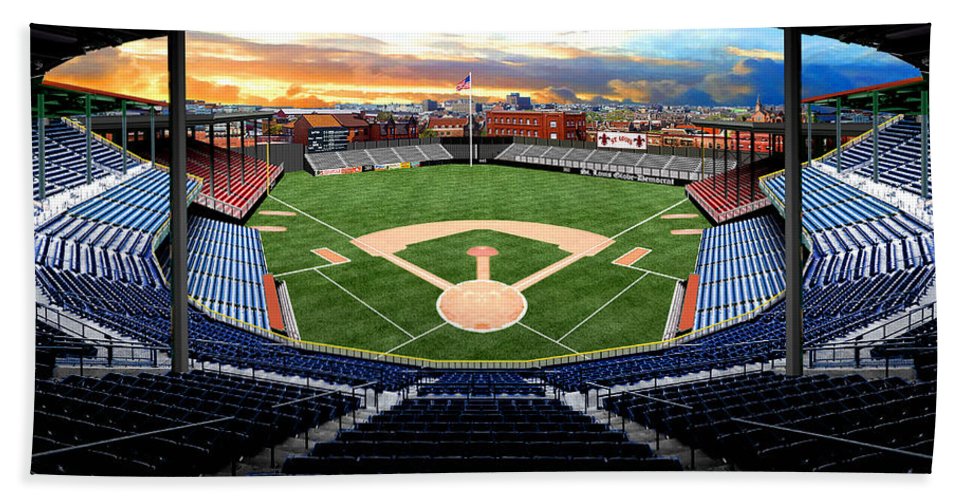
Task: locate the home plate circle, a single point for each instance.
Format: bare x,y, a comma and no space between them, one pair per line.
481,306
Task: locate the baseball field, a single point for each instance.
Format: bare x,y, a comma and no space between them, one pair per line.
453,262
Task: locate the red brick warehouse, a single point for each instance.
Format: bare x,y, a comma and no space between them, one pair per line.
561,125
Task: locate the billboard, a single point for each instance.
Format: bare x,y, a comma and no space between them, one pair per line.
623,140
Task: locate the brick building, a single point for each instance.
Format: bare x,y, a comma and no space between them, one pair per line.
448,127
358,127
561,125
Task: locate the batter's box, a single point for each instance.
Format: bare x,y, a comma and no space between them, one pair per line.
332,257
632,256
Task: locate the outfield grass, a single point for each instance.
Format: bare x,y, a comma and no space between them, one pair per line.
567,303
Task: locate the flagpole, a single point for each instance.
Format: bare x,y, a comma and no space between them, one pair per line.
470,120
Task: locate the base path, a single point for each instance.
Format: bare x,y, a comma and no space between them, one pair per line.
277,212
685,232
679,216
576,242
270,229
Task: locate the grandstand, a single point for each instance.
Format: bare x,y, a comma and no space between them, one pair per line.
618,163
718,393
319,163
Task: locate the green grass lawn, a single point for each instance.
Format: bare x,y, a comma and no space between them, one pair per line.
399,306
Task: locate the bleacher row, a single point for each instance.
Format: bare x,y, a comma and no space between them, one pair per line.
623,162
377,156
729,194
830,311
481,383
891,413
740,268
247,176
900,154
225,268
65,153
143,313
112,234
83,410
828,202
467,435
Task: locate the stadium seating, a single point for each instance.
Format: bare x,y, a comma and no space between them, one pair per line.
143,313
225,268
830,311
618,163
899,160
247,176
65,157
478,435
112,234
717,194
82,410
320,162
482,383
890,413
740,268
918,344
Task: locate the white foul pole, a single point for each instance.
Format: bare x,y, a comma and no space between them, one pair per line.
470,119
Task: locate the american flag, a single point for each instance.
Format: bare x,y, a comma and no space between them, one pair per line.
465,84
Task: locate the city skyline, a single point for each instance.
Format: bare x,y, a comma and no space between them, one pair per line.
730,67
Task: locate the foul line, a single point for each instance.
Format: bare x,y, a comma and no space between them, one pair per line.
418,337
622,233
558,342
297,271
334,228
656,273
606,304
361,301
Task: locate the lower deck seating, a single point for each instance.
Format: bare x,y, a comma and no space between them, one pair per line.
918,344
483,383
889,413
143,313
83,410
478,435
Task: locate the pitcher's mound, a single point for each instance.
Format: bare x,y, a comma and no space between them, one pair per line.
481,306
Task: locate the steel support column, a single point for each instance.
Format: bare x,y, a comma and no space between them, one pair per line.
715,170
88,159
876,136
792,146
211,159
839,134
725,163
924,145
124,136
228,156
151,113
241,147
41,148
179,203
809,133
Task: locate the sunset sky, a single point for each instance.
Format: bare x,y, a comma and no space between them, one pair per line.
698,67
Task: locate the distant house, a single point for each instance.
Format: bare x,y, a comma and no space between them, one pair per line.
358,127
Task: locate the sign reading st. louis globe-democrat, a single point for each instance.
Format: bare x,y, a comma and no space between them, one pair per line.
326,139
